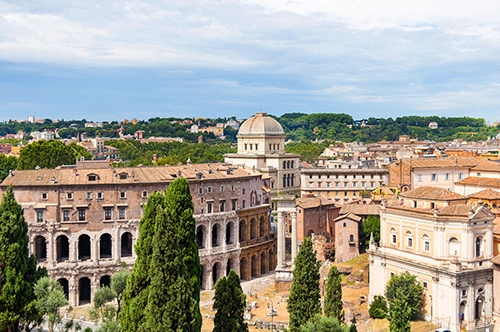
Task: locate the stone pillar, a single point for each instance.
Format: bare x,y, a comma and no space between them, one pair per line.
95,246
51,248
295,246
73,291
73,249
116,245
281,240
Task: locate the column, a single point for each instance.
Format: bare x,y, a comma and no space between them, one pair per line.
50,249
116,245
295,246
95,246
281,240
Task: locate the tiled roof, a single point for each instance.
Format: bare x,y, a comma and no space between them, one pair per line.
486,194
496,260
349,215
134,175
480,181
360,209
432,193
461,210
444,162
312,202
487,166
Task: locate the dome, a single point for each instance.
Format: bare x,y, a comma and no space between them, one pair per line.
261,124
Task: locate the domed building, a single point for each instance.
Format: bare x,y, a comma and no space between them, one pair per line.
261,145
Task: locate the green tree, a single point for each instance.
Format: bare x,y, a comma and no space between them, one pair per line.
353,328
101,311
323,323
229,301
7,164
49,298
378,308
400,313
118,286
333,295
50,154
304,300
18,272
402,292
372,225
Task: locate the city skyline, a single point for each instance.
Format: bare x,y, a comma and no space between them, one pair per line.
110,61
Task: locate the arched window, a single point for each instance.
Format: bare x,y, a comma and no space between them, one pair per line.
200,237
40,248
126,246
105,246
453,247
351,238
84,247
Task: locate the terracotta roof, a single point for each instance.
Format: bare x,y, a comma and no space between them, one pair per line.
351,216
432,193
455,210
480,181
486,194
496,260
312,202
487,166
133,175
443,162
360,209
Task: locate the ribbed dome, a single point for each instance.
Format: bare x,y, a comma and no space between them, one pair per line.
261,124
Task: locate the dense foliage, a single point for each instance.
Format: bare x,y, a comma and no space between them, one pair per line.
404,295
304,300
323,323
18,271
162,293
49,298
378,308
7,164
371,225
229,302
50,154
333,295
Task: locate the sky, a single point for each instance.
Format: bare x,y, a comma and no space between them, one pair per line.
111,60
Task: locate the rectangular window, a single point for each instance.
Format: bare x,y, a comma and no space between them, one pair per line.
478,174
419,177
69,196
209,207
100,195
354,184
200,191
243,204
447,176
345,184
222,206
209,189
81,214
221,188
393,238
434,177
45,196
88,195
460,176
232,187
233,204
107,213
92,177
410,242
39,216
328,184
123,194
336,184
66,214
425,285
243,191
144,194
464,292
121,213
426,245
363,184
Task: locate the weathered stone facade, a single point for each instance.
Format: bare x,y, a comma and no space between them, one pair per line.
83,220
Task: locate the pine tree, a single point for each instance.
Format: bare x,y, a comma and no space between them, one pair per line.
180,212
18,272
304,300
333,295
229,301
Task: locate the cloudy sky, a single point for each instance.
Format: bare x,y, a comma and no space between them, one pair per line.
109,60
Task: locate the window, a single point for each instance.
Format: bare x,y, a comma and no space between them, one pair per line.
464,292
69,196
427,245
410,242
92,177
100,195
460,176
209,189
200,191
307,221
81,214
45,196
409,239
88,195
232,187
39,215
328,184
221,188
425,285
351,239
123,176
121,213
419,177
434,177
354,184
144,194
222,206
345,184
243,204
394,238
66,214
123,194
478,174
233,204
363,184
447,176
336,184
107,214
243,191
209,207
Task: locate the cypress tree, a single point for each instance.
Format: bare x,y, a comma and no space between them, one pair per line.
229,301
304,300
18,272
333,295
180,213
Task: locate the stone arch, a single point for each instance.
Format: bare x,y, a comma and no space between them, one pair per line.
40,248
272,266
105,246
229,233
126,246
105,281
262,227
84,291
243,230
253,229
216,272
479,307
200,236
84,247
62,248
229,266
203,278
462,312
453,247
244,269
65,285
255,266
216,233
263,263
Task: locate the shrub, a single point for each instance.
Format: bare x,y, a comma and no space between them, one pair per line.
378,308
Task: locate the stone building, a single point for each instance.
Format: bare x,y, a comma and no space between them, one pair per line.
315,215
83,220
347,230
433,234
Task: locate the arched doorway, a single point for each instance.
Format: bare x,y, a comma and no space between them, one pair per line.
229,232
262,227
105,281
244,269
105,246
62,248
200,237
65,285
479,307
203,278
215,235
126,247
255,266
272,265
84,247
229,266
243,231
263,263
40,248
84,291
253,229
216,270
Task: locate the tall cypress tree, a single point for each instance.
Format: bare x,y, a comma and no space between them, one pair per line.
180,213
229,301
304,300
135,297
18,272
333,295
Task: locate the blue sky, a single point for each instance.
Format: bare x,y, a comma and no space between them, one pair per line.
110,60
